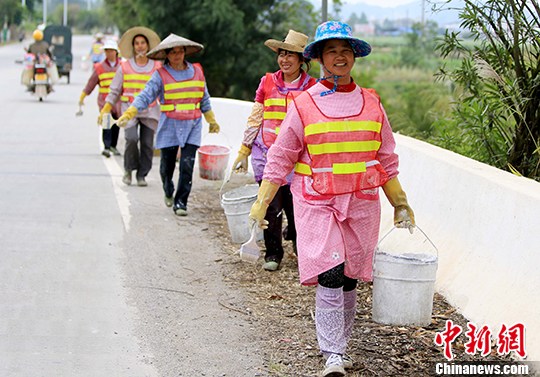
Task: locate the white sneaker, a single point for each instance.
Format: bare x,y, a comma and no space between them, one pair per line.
334,366
348,362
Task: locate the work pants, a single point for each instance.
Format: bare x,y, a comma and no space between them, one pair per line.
273,235
110,136
141,161
185,172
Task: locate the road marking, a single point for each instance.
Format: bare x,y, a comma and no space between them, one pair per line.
116,172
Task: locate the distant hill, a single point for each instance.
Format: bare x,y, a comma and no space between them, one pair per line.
412,11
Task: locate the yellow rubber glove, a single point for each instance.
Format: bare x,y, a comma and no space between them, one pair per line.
240,165
266,193
403,214
104,110
210,118
128,115
81,99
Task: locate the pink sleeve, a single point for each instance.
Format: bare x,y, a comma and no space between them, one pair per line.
286,151
259,94
92,82
386,155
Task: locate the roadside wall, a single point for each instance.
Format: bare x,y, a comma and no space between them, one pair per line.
485,223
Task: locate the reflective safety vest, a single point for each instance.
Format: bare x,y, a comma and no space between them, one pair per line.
134,82
105,78
97,48
182,99
343,151
275,109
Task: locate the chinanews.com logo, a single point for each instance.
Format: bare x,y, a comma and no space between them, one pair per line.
480,340
482,368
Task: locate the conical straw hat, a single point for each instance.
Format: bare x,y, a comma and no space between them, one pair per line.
126,42
172,41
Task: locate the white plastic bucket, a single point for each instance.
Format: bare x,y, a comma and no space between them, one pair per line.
404,283
237,204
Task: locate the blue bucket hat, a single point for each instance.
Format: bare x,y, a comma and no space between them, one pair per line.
336,30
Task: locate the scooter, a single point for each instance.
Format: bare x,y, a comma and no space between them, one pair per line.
35,75
41,85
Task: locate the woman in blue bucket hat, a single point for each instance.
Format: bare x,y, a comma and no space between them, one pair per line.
337,138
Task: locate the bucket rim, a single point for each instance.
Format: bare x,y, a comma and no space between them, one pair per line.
246,196
410,258
226,151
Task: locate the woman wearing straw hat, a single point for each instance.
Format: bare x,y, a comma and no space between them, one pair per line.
337,137
181,89
262,129
102,75
131,77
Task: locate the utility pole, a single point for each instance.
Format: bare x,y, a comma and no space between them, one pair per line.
65,12
324,18
44,12
423,21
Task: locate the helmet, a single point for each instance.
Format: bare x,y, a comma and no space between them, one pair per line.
110,45
99,36
37,35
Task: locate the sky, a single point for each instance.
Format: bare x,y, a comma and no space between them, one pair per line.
381,3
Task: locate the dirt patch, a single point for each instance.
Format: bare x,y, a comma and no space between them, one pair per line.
283,312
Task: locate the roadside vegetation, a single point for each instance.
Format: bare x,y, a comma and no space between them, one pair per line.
475,92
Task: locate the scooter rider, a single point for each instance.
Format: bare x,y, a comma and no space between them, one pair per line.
37,49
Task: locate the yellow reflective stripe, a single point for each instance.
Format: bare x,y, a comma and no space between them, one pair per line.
344,147
270,131
181,107
302,168
184,84
105,82
136,85
167,107
105,90
280,115
183,95
345,126
136,77
275,102
187,106
349,168
106,75
126,96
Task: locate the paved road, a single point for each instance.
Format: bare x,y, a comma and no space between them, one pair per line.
97,278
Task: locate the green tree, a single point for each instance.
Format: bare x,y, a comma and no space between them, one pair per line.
498,82
353,19
57,16
420,47
232,31
11,11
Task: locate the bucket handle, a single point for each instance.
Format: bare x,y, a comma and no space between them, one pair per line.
227,141
226,180
391,230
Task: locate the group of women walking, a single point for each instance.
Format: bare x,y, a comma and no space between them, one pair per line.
320,150
337,141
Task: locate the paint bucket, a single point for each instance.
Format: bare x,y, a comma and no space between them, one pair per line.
404,282
213,160
237,204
